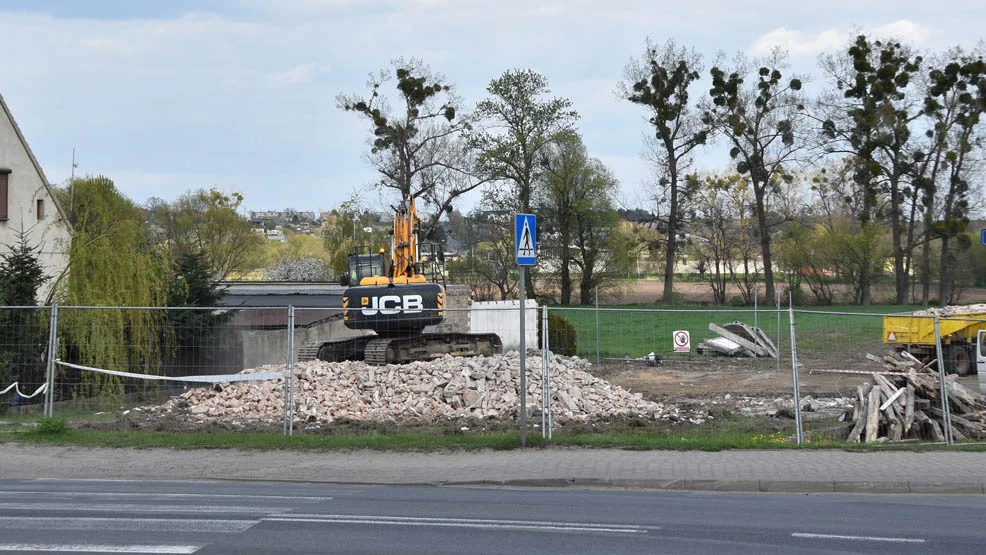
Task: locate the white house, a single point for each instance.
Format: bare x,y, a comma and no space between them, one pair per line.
27,203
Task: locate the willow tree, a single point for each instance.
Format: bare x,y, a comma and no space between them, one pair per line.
112,264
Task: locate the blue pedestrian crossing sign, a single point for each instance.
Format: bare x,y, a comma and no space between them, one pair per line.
982,237
525,227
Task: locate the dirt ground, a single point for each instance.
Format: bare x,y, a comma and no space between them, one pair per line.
706,379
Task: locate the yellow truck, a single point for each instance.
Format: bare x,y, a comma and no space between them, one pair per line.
962,336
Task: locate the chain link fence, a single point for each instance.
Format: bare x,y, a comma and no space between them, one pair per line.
783,376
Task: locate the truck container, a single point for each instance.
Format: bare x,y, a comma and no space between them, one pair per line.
915,333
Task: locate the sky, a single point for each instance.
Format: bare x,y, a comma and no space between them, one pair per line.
169,97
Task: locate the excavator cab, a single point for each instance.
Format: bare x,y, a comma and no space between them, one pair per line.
363,264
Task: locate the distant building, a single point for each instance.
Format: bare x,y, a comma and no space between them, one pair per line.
283,216
28,203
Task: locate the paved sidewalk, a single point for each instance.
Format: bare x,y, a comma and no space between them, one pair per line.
755,470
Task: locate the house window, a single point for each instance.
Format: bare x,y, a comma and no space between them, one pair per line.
4,172
41,209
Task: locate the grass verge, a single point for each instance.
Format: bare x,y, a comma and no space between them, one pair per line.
429,441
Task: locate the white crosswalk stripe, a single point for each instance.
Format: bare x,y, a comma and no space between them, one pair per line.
97,548
130,524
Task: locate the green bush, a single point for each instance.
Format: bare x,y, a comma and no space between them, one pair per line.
52,425
562,337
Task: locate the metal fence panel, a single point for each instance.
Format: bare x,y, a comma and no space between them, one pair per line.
606,371
24,337
882,375
150,368
687,366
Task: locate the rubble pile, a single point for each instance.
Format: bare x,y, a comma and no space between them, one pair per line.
953,310
904,402
446,388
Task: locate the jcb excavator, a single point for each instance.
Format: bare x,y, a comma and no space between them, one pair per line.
397,303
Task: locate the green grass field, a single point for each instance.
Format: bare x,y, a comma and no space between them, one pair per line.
632,331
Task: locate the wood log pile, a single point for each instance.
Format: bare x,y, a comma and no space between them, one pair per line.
903,402
446,388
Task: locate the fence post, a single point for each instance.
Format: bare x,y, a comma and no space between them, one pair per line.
778,331
597,324
49,405
289,377
794,373
756,305
546,350
545,375
946,413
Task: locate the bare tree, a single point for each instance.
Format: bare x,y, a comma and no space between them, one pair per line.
660,81
762,122
415,144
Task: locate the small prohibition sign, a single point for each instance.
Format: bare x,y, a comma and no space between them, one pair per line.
681,339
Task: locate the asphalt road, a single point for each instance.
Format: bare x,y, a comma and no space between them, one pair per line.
112,516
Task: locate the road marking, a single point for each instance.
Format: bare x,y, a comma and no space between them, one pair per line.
132,508
143,495
92,548
856,538
126,523
465,523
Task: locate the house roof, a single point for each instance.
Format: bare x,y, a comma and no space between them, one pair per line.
34,161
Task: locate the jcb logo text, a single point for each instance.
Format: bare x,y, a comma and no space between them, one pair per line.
392,304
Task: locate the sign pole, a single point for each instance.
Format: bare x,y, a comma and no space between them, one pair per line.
523,364
525,244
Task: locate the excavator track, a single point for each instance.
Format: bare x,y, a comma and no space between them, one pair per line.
378,350
351,348
429,346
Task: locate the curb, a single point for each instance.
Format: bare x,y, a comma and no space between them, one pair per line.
735,486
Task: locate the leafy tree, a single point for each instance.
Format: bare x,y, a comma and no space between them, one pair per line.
574,201
721,234
806,252
22,330
596,227
762,124
832,235
660,81
517,126
207,222
416,146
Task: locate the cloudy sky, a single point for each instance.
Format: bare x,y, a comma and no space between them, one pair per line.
170,96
